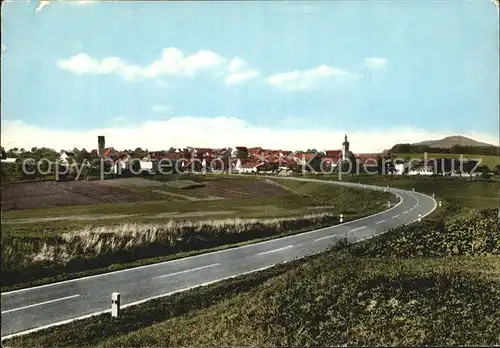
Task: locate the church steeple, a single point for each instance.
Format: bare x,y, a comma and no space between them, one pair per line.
345,148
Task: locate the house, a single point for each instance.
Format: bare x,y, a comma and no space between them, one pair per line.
334,154
221,153
110,153
240,152
192,165
66,157
286,153
420,168
94,154
303,158
254,167
122,161
9,160
255,151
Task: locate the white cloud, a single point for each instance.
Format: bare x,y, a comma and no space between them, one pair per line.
171,63
159,108
236,64
307,79
243,76
239,72
375,62
213,132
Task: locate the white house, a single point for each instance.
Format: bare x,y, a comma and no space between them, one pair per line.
8,160
423,170
399,168
66,157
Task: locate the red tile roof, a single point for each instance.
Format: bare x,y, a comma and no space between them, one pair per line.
255,150
307,156
171,155
333,153
122,156
107,152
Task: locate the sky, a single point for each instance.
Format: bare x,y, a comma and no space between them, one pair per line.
290,75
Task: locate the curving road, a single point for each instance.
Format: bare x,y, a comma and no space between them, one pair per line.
35,308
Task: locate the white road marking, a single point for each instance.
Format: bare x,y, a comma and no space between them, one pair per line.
405,212
187,271
381,221
275,250
67,321
357,229
231,249
395,216
39,304
322,238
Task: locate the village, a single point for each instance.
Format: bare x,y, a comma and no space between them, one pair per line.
248,160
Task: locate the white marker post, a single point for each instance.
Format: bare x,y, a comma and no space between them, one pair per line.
115,304
419,217
389,204
433,195
414,189
440,203
341,218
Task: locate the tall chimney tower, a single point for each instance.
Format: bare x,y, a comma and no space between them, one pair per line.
101,145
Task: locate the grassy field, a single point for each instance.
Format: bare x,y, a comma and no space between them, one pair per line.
490,161
434,283
41,250
425,284
458,195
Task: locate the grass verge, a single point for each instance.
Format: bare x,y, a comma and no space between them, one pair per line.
352,295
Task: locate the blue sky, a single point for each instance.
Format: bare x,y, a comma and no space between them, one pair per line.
261,73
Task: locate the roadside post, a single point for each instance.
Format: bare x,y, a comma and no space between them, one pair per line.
440,203
433,195
115,304
419,217
341,217
414,189
389,204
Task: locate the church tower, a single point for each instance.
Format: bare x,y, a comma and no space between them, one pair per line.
345,148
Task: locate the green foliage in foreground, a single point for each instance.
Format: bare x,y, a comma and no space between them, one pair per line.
478,233
336,301
352,295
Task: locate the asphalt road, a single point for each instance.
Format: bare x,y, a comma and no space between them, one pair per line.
35,308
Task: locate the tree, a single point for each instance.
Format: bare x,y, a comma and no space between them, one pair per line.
4,154
496,170
484,170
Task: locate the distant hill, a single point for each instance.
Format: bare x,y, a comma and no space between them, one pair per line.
454,140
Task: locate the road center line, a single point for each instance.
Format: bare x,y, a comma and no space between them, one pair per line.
333,236
395,216
40,304
357,229
188,270
275,250
381,221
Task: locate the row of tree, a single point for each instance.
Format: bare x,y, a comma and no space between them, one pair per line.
456,149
